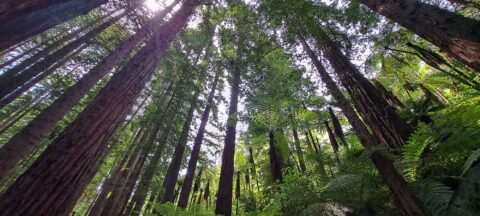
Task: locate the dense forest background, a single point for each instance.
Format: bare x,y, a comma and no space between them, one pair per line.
240,107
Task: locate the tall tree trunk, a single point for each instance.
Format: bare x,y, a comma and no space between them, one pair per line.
298,148
333,141
9,122
28,85
337,127
19,25
253,168
225,184
174,167
9,84
377,113
44,52
52,185
141,194
192,163
31,135
454,34
388,172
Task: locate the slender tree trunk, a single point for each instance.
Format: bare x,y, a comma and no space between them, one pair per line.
368,140
174,167
225,185
19,25
378,114
9,84
12,121
52,185
253,168
192,163
298,149
337,127
28,85
141,194
454,34
333,141
41,54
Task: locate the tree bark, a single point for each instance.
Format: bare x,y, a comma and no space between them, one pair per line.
19,25
466,3
9,84
388,95
377,113
454,34
141,194
52,185
192,163
225,185
400,191
276,160
174,167
41,54
333,141
337,127
26,86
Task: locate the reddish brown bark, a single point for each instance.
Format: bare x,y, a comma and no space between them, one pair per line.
44,52
197,144
52,185
10,83
454,34
377,113
225,185
20,24
368,140
32,134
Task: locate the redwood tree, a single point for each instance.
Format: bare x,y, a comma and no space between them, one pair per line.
225,184
52,185
20,21
454,34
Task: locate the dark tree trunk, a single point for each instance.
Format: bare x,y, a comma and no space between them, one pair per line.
141,194
252,168
206,194
52,185
192,163
247,180
337,127
388,95
276,160
388,172
31,135
12,120
333,141
108,185
377,113
298,148
9,84
43,53
26,86
225,185
19,25
174,167
454,34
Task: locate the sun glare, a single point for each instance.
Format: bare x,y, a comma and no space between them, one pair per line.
155,5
